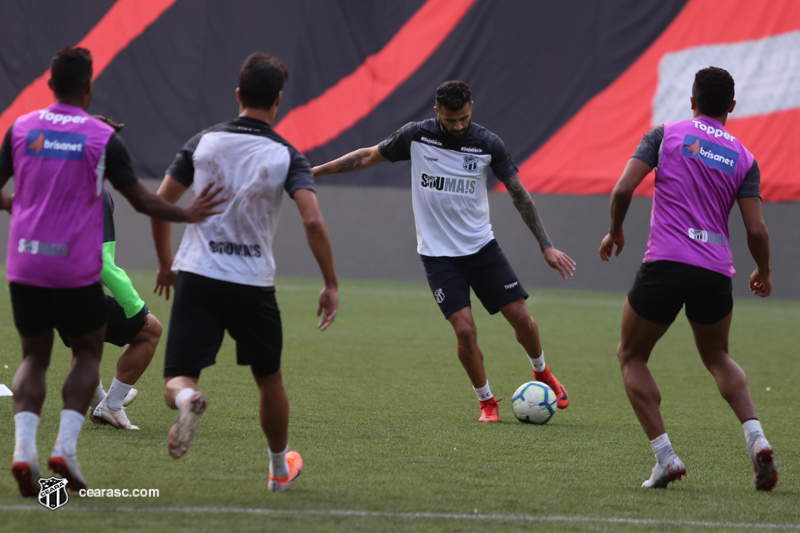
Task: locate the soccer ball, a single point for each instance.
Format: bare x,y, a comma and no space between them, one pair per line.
534,403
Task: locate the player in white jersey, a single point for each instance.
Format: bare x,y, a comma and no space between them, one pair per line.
450,160
223,273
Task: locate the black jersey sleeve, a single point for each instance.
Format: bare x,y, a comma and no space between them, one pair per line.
299,176
119,171
751,186
650,146
109,235
502,164
397,146
182,167
6,157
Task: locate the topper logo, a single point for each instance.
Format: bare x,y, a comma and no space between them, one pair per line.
58,118
712,131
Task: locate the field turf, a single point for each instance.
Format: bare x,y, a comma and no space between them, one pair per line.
386,421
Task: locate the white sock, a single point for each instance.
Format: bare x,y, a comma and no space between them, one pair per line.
538,363
116,393
25,424
182,396
68,431
99,394
662,449
484,393
278,466
752,431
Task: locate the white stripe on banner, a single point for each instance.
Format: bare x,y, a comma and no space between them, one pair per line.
766,72
439,516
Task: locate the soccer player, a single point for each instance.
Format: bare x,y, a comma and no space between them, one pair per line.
701,169
129,323
59,157
224,271
450,159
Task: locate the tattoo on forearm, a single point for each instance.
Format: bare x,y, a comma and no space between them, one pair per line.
524,204
349,162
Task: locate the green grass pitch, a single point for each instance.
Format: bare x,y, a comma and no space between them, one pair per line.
386,421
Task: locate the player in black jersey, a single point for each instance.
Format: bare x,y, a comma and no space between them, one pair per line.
450,159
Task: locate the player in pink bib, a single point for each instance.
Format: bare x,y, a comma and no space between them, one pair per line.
701,170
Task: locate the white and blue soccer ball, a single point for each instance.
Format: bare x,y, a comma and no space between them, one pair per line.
534,403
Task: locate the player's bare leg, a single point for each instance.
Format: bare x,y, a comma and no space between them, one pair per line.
469,353
637,340
712,343
525,328
471,357
132,363
29,387
273,410
136,356
527,334
77,392
284,465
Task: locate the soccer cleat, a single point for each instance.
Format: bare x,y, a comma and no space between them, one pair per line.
766,471
67,467
27,474
128,399
295,462
663,475
489,410
113,417
182,431
545,376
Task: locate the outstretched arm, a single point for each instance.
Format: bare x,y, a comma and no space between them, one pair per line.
320,243
170,191
524,204
635,171
758,243
360,159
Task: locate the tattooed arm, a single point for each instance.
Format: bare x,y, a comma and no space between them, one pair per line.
530,215
360,159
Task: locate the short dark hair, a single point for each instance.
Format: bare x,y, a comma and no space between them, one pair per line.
261,80
70,71
453,95
713,91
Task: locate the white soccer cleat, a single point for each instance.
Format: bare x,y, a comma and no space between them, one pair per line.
295,462
766,471
113,417
132,394
663,475
67,467
181,434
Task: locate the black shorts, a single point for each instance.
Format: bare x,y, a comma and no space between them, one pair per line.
661,288
204,308
38,310
120,330
488,272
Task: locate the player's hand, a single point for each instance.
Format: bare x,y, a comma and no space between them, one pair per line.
559,261
203,206
607,246
760,284
328,305
165,278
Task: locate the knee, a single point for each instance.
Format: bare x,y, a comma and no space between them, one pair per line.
521,320
466,332
151,332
